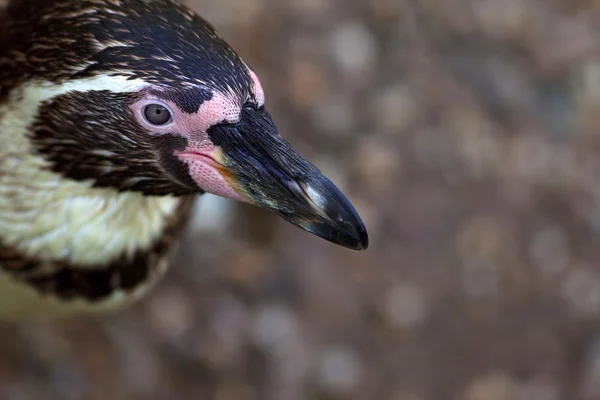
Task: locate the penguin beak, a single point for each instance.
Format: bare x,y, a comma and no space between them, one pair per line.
265,170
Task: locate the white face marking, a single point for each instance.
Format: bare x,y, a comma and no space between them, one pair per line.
116,84
49,216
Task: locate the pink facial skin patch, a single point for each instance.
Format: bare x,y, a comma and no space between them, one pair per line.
208,173
201,156
258,90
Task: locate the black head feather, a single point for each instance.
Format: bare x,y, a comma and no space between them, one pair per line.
159,41
92,134
84,141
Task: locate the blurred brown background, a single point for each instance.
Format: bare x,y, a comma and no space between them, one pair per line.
466,134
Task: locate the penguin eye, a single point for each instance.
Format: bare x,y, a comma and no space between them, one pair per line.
157,114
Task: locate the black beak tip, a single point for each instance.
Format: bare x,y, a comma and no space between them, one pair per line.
335,219
361,238
352,236
356,237
363,243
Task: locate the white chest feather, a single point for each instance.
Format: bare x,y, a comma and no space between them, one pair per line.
50,217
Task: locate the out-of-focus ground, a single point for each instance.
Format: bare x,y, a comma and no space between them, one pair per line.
467,134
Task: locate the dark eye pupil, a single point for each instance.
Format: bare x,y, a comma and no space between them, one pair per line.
157,114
